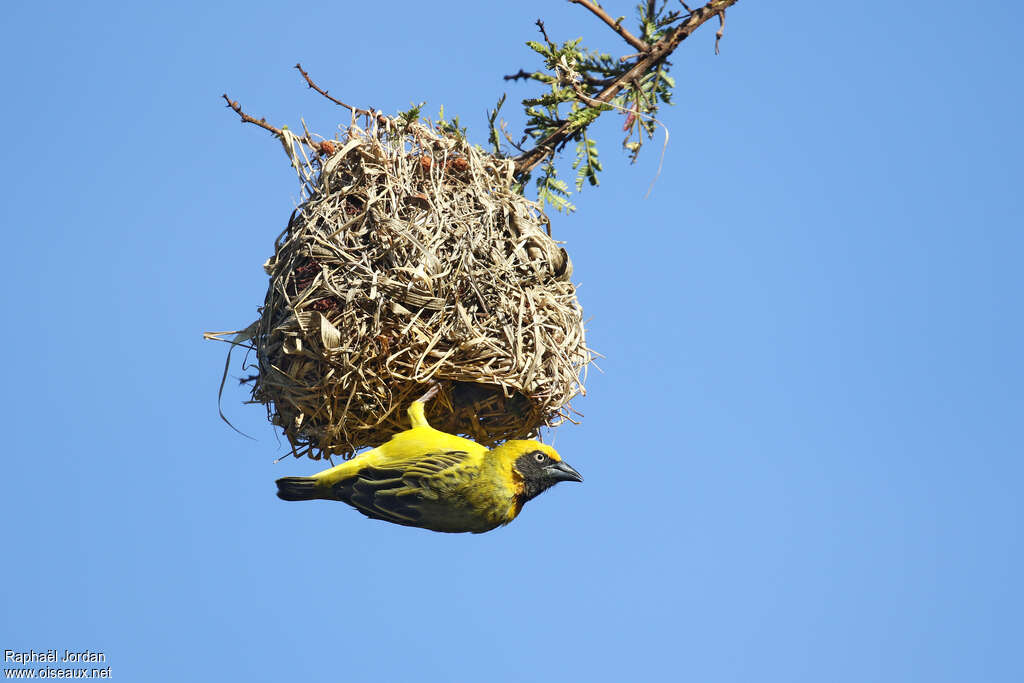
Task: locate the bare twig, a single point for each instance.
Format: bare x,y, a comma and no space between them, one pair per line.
543,32
587,78
325,147
517,145
323,92
355,110
262,123
616,26
520,75
657,53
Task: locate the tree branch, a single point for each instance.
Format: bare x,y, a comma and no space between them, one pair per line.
522,75
325,147
540,27
314,86
587,78
652,56
616,26
380,118
262,123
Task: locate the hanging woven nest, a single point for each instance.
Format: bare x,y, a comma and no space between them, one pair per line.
413,260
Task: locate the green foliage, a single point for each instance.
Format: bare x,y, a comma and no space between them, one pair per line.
581,118
450,127
587,166
572,77
411,115
552,190
493,136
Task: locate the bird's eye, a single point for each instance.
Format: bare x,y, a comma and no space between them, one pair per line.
540,457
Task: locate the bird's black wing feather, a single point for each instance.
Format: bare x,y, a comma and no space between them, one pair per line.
393,493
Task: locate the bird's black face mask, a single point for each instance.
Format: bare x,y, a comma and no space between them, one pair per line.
541,472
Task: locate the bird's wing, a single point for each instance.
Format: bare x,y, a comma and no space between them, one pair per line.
394,492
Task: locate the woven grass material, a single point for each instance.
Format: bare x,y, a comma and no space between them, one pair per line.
410,261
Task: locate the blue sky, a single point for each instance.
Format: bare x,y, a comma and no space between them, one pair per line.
802,459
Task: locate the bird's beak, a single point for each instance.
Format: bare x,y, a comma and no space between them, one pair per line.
561,471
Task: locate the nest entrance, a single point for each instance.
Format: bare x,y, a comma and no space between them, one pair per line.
413,260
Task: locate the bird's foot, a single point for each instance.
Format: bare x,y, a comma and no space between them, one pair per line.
431,393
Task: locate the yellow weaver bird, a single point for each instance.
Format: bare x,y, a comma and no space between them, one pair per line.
426,478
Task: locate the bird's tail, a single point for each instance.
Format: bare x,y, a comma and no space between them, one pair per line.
298,488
